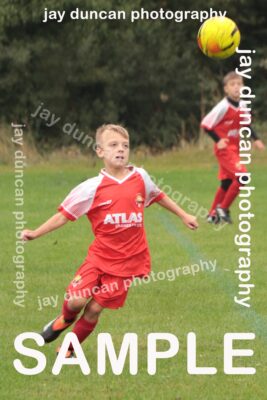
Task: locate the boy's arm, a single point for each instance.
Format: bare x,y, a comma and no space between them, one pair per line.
212,119
212,134
51,224
189,220
221,143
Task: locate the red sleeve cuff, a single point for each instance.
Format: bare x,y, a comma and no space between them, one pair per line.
66,213
157,199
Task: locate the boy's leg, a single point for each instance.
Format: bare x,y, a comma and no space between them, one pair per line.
231,194
112,296
87,323
220,194
79,291
70,310
222,210
231,163
219,197
72,307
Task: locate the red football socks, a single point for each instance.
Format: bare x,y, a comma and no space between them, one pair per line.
68,314
219,196
83,328
231,194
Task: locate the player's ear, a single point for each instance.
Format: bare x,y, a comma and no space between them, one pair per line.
99,151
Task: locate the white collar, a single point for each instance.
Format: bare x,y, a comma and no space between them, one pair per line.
131,169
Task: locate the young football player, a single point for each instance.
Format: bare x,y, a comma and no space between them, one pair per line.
222,124
114,203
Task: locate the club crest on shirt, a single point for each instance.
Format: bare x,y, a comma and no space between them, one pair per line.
76,281
139,200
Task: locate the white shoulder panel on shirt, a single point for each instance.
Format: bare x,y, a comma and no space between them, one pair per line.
80,199
215,115
151,189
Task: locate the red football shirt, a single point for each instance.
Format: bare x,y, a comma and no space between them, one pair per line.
224,120
115,209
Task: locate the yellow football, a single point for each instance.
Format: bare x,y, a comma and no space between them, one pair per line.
218,37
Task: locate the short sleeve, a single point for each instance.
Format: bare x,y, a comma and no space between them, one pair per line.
153,193
215,116
79,201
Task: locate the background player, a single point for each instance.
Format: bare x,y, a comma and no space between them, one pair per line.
222,124
114,203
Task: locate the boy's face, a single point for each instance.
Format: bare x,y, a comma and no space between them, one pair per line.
232,88
113,149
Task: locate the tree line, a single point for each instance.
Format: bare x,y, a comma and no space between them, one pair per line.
148,75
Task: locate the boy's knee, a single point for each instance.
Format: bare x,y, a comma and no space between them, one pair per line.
77,304
94,307
92,310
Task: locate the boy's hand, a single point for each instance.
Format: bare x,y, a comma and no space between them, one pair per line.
259,144
190,221
27,234
222,144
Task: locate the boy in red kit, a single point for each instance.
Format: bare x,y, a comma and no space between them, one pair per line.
222,124
114,203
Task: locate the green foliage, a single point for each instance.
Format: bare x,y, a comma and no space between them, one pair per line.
148,75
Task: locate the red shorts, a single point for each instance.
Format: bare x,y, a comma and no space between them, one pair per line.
229,164
107,290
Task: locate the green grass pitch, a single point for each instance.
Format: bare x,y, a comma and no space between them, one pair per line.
202,303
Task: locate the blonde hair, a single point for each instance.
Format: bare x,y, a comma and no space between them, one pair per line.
230,76
110,127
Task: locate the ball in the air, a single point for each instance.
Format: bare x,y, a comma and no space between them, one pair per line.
218,37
